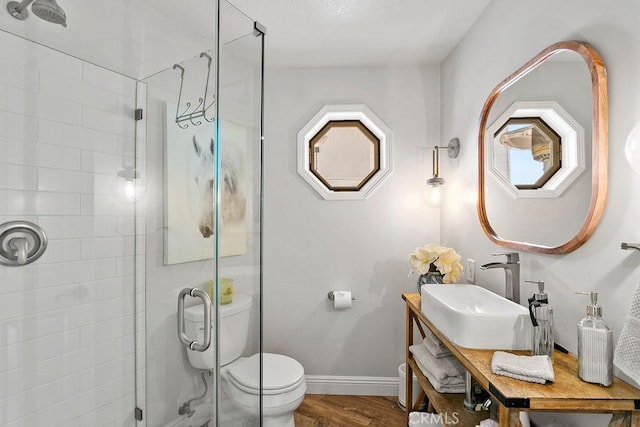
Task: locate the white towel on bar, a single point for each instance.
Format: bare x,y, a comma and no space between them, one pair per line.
627,354
441,368
534,369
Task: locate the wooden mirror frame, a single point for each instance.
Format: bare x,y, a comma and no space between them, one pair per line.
599,144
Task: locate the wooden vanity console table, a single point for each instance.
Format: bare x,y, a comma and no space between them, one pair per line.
567,394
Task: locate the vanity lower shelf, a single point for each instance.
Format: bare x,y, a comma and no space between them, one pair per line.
568,393
449,405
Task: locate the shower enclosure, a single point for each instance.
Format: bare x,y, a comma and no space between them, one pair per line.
132,139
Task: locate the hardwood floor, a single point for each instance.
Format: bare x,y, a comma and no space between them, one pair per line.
323,410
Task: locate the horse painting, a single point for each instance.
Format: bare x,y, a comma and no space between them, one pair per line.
197,195
232,198
203,179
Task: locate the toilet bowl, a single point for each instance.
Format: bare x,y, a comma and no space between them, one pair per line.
283,387
283,382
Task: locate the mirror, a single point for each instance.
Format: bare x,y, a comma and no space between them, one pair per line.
343,152
542,152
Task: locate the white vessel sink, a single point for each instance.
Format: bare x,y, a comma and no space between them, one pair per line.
474,317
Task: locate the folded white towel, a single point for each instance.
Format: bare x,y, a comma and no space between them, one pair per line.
627,354
434,339
424,419
487,423
438,350
440,367
535,369
439,386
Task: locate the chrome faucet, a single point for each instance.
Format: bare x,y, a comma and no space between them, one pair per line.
512,274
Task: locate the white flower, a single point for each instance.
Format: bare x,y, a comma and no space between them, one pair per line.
437,258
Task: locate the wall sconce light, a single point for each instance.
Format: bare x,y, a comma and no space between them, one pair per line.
632,148
129,187
432,191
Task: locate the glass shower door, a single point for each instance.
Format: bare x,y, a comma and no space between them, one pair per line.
67,320
203,225
88,332
180,240
239,217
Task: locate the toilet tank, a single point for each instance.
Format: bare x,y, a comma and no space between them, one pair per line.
234,332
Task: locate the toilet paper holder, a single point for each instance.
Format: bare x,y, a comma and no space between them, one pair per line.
331,297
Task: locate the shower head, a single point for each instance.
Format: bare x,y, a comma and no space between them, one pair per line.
43,9
49,11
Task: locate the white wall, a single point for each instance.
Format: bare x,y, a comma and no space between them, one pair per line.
508,33
67,320
313,246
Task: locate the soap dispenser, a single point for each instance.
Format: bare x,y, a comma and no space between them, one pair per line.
542,320
595,345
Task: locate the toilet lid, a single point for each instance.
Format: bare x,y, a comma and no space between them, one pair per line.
280,374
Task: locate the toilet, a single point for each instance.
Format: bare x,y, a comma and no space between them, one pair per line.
283,382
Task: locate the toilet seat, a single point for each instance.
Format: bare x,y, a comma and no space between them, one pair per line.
281,374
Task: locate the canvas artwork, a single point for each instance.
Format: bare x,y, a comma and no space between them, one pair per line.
189,184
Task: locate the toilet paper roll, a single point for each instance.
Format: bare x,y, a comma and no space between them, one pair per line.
341,299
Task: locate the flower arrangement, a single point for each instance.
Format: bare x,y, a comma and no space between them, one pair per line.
436,258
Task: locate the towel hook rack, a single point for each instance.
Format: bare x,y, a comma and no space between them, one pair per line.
629,246
202,108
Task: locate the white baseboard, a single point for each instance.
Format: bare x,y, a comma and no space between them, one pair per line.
354,386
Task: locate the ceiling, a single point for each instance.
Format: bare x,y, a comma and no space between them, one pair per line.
320,33
140,37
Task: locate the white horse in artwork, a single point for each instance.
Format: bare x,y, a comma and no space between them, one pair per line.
232,197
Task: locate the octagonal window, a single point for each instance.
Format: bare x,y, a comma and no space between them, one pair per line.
344,155
344,152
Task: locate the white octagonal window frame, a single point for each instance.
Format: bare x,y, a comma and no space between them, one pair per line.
373,123
572,143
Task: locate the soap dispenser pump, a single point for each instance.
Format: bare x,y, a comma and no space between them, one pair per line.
541,314
595,345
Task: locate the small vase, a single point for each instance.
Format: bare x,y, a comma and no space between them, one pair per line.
431,277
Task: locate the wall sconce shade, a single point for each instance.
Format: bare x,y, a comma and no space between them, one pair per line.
433,192
632,148
129,187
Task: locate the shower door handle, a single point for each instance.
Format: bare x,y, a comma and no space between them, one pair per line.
182,335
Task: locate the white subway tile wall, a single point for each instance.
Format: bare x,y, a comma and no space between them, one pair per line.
67,331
